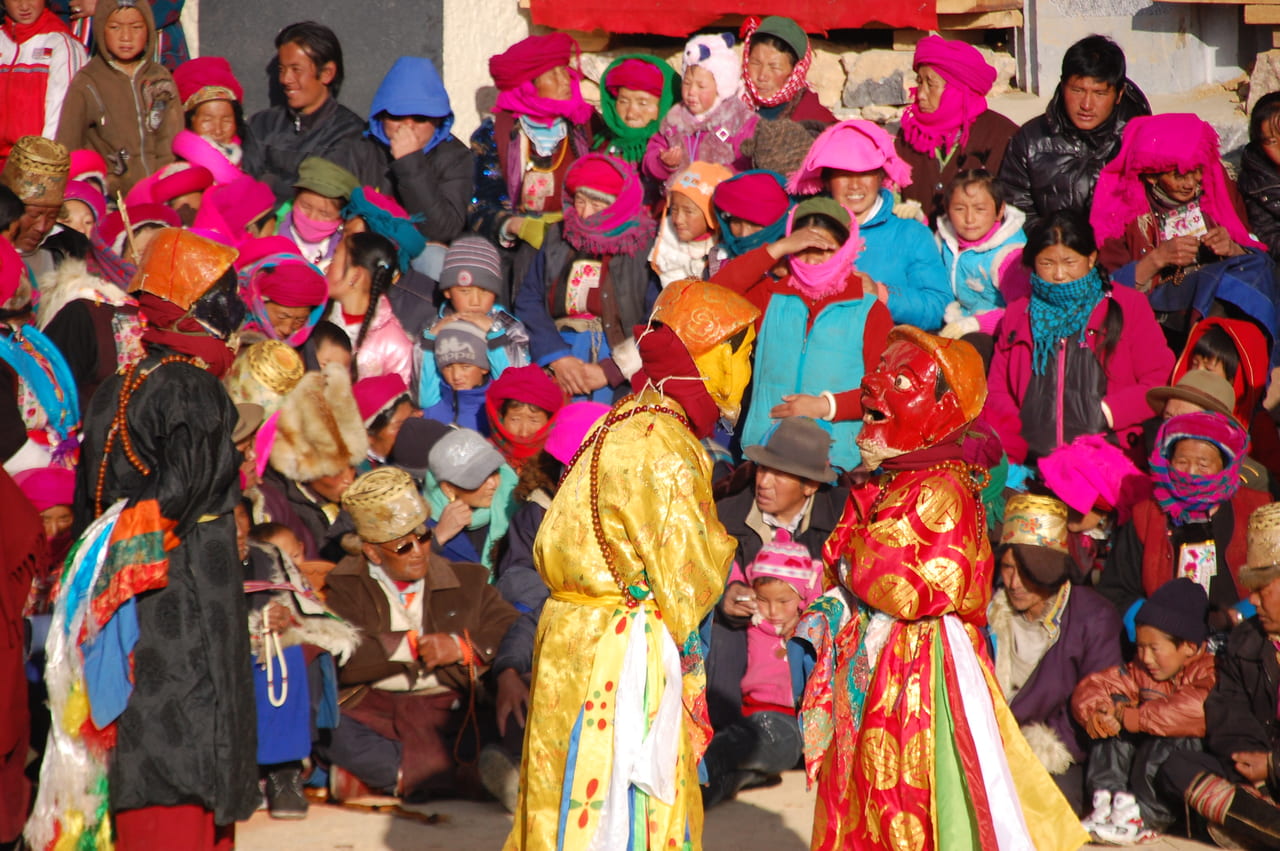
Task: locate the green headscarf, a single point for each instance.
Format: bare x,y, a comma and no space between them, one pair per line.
630,142
497,516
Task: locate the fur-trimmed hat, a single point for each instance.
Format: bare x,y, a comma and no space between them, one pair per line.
319,431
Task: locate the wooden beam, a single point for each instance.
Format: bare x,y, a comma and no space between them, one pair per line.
1266,15
973,7
981,21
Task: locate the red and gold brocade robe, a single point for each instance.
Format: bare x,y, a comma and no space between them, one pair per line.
922,752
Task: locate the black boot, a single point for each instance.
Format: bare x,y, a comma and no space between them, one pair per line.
284,792
1236,811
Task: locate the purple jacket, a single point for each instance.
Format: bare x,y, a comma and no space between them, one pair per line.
1088,641
1141,360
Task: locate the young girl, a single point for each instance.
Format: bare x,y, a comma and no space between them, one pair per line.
711,122
521,405
122,104
1080,353
313,220
687,232
785,579
981,241
213,115
822,326
363,267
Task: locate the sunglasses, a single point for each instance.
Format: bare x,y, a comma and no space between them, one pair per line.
422,538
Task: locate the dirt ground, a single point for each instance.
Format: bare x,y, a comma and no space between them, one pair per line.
776,819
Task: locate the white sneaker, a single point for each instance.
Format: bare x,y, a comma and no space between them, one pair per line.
1101,810
1125,825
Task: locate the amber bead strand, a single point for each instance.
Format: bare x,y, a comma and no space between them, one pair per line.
120,427
596,443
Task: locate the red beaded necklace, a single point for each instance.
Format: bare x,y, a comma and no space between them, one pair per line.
631,594
133,380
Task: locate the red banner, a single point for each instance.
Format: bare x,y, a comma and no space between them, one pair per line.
685,17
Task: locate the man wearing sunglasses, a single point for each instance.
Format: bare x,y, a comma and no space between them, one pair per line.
430,629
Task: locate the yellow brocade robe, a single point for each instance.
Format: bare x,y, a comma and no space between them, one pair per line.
600,665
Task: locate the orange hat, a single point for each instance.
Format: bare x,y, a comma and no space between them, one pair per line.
959,362
180,267
703,314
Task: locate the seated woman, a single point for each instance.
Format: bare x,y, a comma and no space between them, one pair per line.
948,128
1047,634
636,91
1259,180
1080,352
1164,208
579,314
822,326
522,405
776,56
1195,523
313,219
214,117
285,295
855,163
540,126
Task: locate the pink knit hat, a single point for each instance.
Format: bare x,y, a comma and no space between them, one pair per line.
87,194
715,54
1090,473
853,145
791,562
88,164
375,395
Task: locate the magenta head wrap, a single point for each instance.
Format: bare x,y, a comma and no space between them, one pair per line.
1090,473
968,78
1153,144
816,281
46,487
572,425
87,194
625,226
1189,497
637,75
854,145
515,69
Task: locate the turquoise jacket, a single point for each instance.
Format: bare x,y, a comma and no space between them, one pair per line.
901,254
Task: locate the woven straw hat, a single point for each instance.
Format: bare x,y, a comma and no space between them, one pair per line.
264,374
37,171
385,504
1263,555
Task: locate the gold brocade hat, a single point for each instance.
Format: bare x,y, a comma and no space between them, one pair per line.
263,374
702,314
1262,562
37,171
1040,521
385,504
180,267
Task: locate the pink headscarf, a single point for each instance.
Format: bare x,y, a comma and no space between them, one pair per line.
816,281
1153,144
853,145
1090,473
46,487
969,77
514,71
229,209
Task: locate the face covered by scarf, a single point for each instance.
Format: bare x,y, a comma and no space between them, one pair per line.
816,281
170,326
1188,497
968,80
625,226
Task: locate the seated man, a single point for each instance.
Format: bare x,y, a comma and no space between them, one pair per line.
1047,635
792,491
430,629
1233,783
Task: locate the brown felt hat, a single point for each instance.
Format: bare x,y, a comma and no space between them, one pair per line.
1199,387
799,446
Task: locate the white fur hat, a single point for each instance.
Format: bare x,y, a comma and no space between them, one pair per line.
716,54
319,432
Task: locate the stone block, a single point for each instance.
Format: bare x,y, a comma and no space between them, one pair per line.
876,76
826,74
882,114
1265,77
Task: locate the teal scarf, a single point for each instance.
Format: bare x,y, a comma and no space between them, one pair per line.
1058,311
497,516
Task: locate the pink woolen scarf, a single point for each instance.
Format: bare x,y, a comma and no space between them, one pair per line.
853,145
524,100
969,77
816,281
1153,144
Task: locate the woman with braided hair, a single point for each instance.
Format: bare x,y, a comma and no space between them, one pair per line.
364,267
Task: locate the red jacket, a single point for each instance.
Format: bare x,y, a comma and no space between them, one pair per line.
1141,360
1171,708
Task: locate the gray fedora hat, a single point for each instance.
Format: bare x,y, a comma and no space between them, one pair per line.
799,446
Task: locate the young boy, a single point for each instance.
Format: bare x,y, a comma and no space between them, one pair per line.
471,281
461,358
1138,714
122,104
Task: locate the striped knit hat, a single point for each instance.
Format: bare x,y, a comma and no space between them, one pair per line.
472,261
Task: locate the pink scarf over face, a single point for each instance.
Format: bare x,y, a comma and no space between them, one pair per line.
969,78
1153,144
524,100
816,281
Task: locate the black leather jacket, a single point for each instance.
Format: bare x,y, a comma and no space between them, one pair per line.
1051,165
1259,186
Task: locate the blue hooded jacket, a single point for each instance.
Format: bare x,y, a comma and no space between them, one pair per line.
411,87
